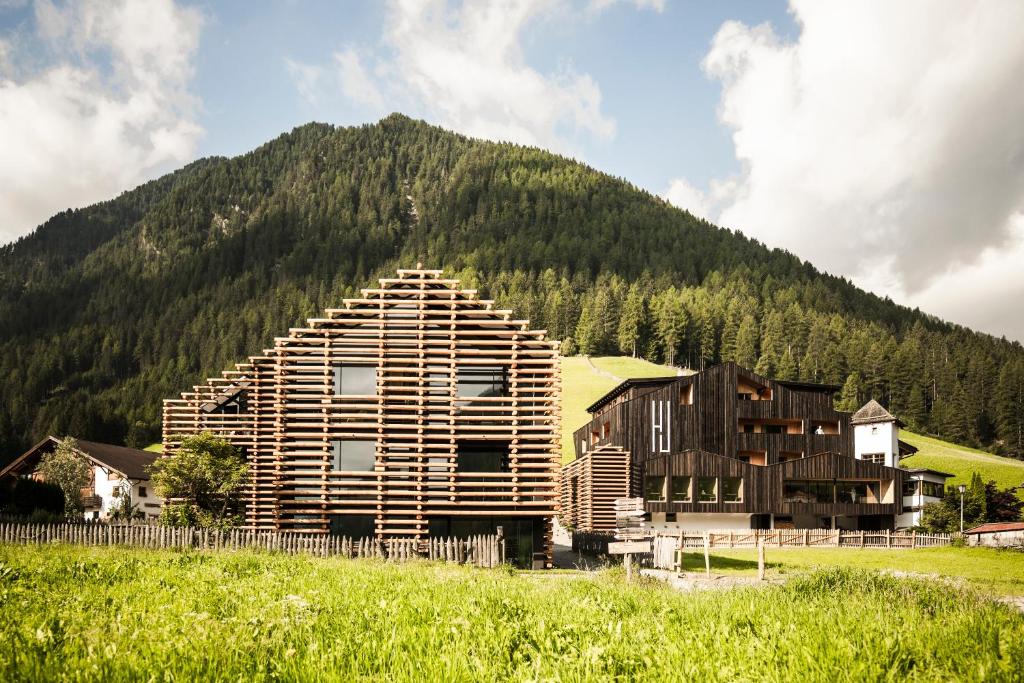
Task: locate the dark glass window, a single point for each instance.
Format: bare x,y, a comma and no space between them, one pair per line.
680,489
732,489
351,455
142,492
803,491
355,380
932,489
707,489
910,488
654,488
774,429
353,526
482,381
856,492
484,456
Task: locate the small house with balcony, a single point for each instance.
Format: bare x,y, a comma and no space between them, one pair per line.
726,449
118,472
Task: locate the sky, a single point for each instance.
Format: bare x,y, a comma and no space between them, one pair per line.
882,141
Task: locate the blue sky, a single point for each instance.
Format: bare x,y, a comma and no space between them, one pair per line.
637,56
881,141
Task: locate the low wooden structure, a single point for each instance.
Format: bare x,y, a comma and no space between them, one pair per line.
590,485
479,550
417,410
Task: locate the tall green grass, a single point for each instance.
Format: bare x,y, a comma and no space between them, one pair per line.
101,614
962,462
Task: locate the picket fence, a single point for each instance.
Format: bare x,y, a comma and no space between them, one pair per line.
481,551
597,543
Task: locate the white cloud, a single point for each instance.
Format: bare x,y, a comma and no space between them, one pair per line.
656,5
110,108
307,79
464,68
356,83
884,143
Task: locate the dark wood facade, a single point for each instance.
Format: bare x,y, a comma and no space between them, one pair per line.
727,424
450,425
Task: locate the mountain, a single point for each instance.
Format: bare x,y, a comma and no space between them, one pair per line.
106,310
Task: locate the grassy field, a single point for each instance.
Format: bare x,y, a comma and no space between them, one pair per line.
101,614
582,385
155,447
1000,572
962,461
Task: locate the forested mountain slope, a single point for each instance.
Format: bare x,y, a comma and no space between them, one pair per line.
106,310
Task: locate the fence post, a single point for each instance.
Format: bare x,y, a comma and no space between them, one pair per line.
707,554
760,561
888,538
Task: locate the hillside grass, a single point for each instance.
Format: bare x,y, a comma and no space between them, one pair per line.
999,572
155,447
128,614
962,461
582,385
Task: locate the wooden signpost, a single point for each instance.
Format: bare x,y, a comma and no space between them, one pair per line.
629,530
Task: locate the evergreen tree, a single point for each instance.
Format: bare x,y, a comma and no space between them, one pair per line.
632,322
850,397
746,342
787,366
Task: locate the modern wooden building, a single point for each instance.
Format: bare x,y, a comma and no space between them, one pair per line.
728,449
416,410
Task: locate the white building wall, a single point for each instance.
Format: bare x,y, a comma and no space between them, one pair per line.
998,539
881,437
702,521
105,483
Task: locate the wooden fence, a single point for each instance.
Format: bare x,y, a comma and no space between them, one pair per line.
597,543
807,538
481,551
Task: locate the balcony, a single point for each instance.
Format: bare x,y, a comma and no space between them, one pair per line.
90,499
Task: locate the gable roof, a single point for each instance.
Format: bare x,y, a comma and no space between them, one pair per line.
626,385
872,412
129,462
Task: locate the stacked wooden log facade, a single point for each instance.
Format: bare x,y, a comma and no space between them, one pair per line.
726,448
417,410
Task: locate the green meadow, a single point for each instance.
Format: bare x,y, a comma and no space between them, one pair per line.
962,461
84,614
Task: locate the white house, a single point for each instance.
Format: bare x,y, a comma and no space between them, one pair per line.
923,486
876,438
118,471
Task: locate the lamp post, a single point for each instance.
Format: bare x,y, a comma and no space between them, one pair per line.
961,488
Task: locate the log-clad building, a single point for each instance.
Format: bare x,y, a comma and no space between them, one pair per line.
726,449
416,410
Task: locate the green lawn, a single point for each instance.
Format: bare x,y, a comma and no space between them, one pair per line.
119,614
582,385
1000,572
962,461
155,447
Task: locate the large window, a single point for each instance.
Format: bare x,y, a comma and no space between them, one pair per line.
483,456
910,487
803,491
680,489
707,490
654,488
932,489
856,492
355,380
732,489
352,455
482,381
877,458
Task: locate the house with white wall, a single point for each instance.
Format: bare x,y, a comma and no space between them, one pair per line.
876,438
117,471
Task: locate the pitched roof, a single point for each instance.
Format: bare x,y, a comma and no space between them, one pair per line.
928,470
870,413
992,527
130,462
626,385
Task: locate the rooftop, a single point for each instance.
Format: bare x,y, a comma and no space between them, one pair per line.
872,412
993,527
